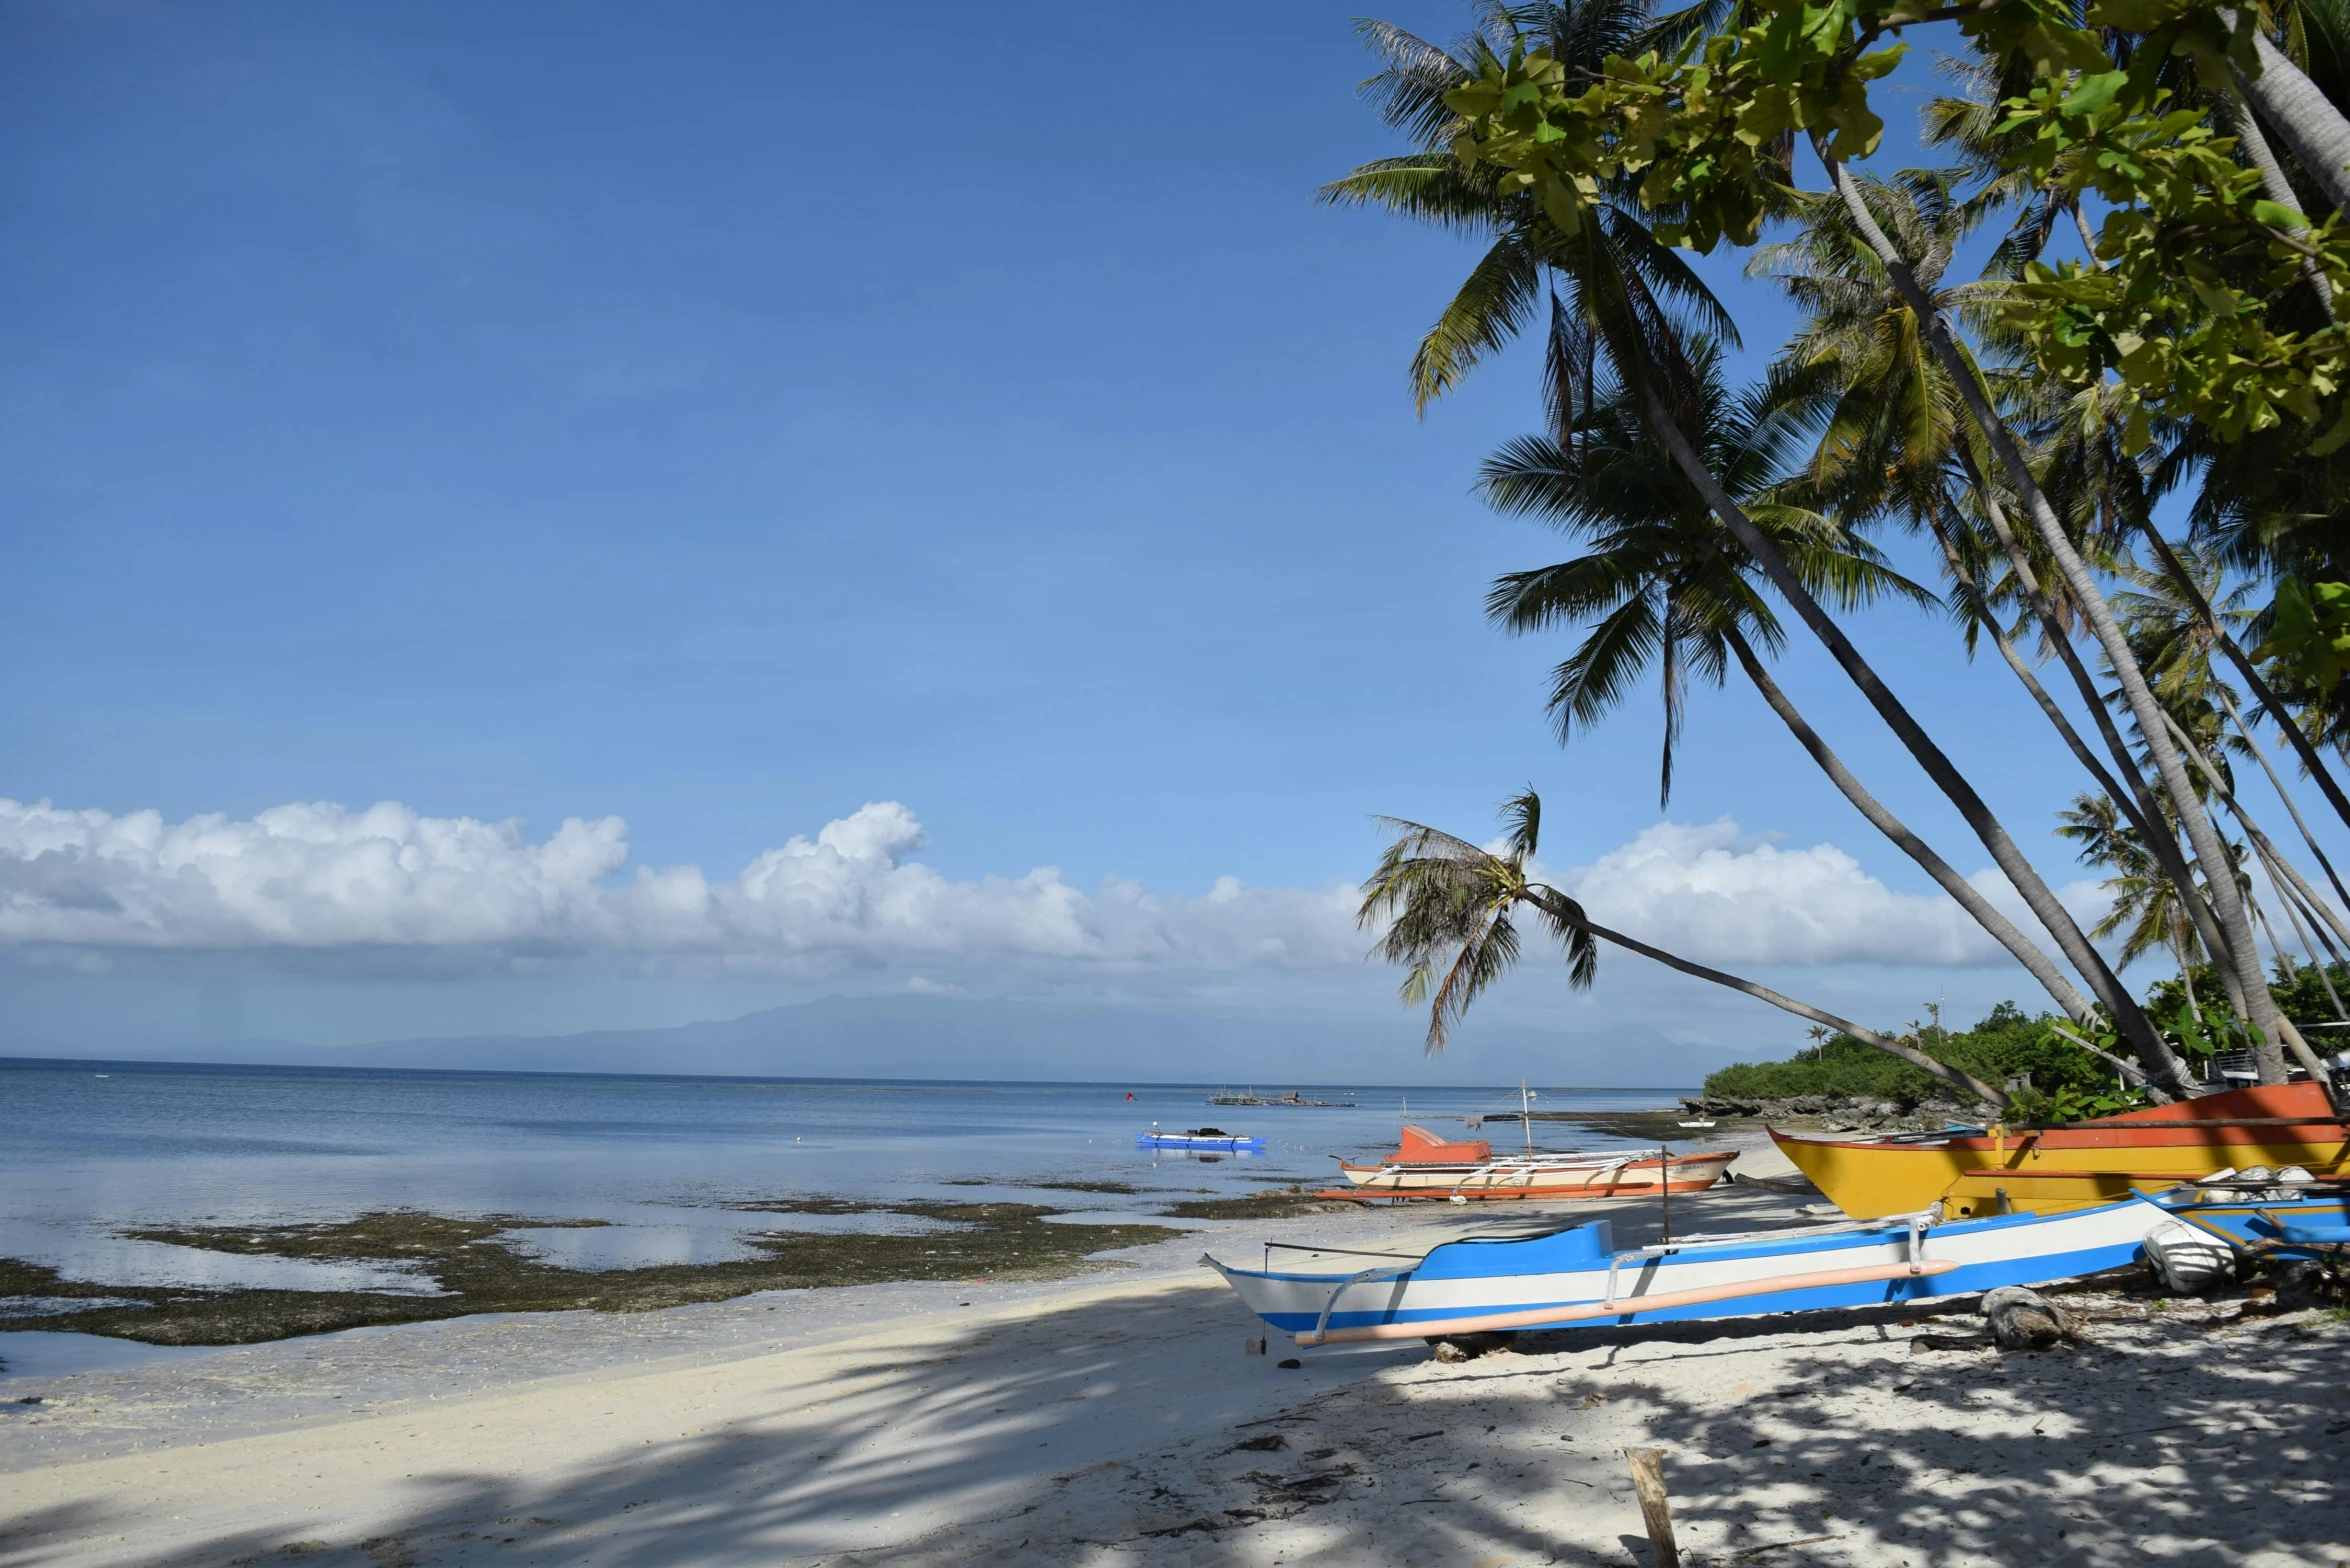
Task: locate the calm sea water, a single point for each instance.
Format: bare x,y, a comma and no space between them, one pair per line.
94,1148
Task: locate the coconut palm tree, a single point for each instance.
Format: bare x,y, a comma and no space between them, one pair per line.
1621,306
1609,285
1449,912
1900,433
1661,587
2014,467
2177,617
2172,638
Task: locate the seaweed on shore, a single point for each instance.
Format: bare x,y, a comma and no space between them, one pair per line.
1267,1205
1119,1187
477,1274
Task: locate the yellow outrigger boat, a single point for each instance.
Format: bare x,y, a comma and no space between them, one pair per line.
2044,1170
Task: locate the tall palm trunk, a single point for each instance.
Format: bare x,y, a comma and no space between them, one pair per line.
2044,969
2160,839
2227,903
2128,803
2317,957
2304,118
1956,1077
2162,843
2145,1042
2312,761
2275,784
2254,145
2292,889
2288,875
2178,947
2285,1028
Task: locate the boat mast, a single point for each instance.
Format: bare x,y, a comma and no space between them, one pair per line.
1664,1184
1526,1114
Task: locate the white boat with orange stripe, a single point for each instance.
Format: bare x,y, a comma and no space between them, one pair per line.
1426,1166
1565,1278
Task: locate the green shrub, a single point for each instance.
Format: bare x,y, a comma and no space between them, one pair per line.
2005,1044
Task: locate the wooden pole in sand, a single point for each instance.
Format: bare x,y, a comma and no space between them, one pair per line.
1648,1479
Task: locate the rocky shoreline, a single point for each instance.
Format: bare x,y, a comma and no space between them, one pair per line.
1835,1113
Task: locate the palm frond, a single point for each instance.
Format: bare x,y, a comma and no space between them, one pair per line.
1491,307
1521,817
1408,95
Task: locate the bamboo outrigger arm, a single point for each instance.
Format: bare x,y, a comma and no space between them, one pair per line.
1541,1317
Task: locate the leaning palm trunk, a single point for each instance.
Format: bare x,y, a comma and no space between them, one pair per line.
2252,742
2227,904
2254,145
2292,890
2128,803
2291,884
1956,1077
2304,117
2153,826
2317,957
2285,1028
2163,845
2160,839
2178,947
2119,1005
1440,895
2043,968
2271,704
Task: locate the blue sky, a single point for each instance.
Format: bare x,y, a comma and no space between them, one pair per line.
724,417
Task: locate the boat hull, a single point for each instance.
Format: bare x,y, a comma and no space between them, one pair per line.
1534,1179
2050,1170
1557,1279
1147,1140
2263,1222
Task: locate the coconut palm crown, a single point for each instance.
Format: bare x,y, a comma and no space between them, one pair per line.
1662,582
1451,906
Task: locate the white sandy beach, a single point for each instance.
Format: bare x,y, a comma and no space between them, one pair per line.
1117,1420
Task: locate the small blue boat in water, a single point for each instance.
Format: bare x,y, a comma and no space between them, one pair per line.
1566,1278
1215,1139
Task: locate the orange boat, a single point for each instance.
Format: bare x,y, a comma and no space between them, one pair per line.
2045,1169
1426,1166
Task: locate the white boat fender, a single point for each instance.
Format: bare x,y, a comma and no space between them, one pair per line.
2188,1261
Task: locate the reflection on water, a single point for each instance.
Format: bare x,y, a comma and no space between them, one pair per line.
706,1236
81,1253
40,1353
659,1159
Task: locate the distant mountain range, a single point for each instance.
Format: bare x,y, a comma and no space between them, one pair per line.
951,1037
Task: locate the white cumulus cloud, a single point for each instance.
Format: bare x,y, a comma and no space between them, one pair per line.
1695,891
321,877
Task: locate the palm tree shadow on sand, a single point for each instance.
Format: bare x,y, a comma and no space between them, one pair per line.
1060,1440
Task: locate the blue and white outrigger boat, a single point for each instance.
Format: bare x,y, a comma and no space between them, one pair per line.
1577,1276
